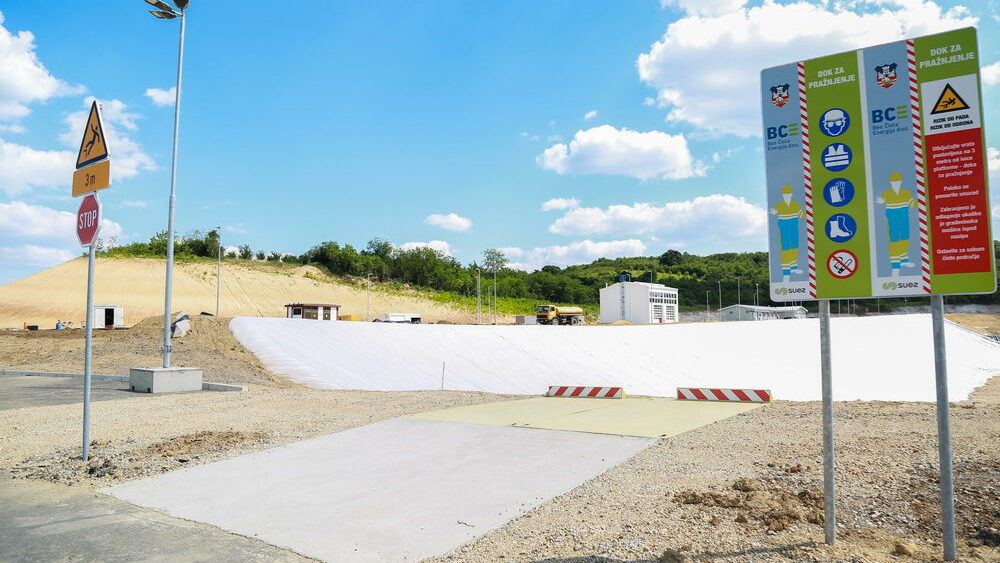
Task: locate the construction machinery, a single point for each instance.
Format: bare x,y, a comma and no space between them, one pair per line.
553,315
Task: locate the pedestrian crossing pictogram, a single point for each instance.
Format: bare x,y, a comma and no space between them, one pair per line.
949,100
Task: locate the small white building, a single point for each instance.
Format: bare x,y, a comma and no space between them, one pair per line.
108,316
525,320
639,303
317,311
757,313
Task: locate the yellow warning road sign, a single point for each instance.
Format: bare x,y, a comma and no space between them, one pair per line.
949,100
92,178
92,147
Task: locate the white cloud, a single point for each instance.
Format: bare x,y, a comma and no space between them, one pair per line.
705,7
579,252
16,129
238,228
720,217
36,237
162,97
590,114
991,74
128,158
23,168
561,203
134,203
438,245
451,222
706,66
23,78
606,150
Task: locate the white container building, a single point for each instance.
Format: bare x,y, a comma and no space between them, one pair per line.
108,316
756,313
639,303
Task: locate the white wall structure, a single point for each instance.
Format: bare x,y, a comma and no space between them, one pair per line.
639,303
105,313
758,313
887,358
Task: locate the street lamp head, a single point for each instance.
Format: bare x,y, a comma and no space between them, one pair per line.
181,4
159,4
163,15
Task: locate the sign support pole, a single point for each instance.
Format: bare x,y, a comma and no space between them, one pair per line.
829,470
87,352
944,430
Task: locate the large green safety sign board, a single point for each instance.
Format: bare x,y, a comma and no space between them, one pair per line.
877,174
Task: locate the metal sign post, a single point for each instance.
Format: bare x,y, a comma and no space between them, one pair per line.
87,353
944,430
88,225
878,187
829,467
93,172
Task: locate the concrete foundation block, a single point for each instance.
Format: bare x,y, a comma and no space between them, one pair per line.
164,380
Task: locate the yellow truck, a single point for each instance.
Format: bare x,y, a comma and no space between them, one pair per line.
553,315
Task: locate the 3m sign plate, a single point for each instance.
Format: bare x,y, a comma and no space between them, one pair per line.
876,172
92,178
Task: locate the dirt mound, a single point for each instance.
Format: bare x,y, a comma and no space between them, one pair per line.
977,501
248,288
775,508
209,345
123,460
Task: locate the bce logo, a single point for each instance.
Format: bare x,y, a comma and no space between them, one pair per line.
888,114
782,131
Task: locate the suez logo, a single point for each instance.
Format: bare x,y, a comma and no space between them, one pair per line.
789,290
790,130
892,286
891,113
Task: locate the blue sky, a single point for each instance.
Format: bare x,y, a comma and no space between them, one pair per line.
561,131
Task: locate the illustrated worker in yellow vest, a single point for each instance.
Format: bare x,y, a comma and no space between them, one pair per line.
898,203
788,211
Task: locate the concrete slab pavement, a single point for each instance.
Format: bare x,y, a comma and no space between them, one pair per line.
653,417
396,490
48,522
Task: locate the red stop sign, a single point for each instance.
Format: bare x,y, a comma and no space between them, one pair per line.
88,220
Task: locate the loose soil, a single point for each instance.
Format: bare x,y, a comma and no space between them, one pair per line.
743,489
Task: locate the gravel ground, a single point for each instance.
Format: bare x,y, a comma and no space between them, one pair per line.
745,489
209,346
742,489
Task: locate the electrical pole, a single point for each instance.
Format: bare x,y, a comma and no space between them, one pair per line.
479,299
720,300
218,275
739,301
708,309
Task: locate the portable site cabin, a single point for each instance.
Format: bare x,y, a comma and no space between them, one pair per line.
108,316
406,318
315,311
639,303
757,313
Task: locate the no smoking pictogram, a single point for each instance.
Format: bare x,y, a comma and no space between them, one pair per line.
842,264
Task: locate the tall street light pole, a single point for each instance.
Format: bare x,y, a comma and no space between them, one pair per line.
166,12
739,301
218,274
479,298
720,300
708,309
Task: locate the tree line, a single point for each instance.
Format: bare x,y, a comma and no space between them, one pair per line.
739,276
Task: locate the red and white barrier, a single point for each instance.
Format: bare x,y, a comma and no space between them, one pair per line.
594,392
739,395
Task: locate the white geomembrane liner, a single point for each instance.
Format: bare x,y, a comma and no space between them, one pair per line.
886,358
